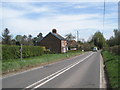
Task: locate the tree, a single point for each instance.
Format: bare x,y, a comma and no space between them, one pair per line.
18,39
39,35
87,46
6,37
30,42
24,40
114,40
99,40
13,42
117,36
37,39
69,37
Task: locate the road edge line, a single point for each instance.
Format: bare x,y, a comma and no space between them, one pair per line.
102,74
76,63
11,75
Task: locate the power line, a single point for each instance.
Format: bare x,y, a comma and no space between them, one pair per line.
104,15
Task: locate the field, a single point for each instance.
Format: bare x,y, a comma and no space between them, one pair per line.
111,61
18,64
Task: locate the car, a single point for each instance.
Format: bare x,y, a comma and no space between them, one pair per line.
95,49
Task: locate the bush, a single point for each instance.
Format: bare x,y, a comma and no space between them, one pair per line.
114,49
13,52
47,51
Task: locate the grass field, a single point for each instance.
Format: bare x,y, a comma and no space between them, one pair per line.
111,61
17,64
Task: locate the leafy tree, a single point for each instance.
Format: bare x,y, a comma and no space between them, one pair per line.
21,40
111,41
37,39
114,40
6,37
39,35
117,36
69,37
24,40
24,37
18,39
13,42
30,42
30,36
99,40
87,46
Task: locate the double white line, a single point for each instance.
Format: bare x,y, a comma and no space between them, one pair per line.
54,75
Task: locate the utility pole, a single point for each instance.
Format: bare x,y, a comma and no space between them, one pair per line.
77,36
104,17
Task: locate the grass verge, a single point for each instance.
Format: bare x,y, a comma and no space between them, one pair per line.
111,62
17,64
0,67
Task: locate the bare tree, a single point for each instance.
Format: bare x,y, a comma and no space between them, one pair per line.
69,37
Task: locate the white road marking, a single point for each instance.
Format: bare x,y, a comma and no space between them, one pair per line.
46,77
35,68
102,75
54,75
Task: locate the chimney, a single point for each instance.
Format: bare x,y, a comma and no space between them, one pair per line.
54,31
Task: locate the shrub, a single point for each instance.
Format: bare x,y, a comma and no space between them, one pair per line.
114,49
13,52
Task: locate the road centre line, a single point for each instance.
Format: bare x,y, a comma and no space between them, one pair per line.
36,68
47,77
54,75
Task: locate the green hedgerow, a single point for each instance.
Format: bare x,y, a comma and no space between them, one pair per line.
13,52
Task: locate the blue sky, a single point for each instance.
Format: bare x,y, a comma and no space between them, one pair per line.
67,17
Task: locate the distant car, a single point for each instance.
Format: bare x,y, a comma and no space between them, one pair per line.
95,49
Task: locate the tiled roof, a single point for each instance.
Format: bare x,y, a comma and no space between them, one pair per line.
57,36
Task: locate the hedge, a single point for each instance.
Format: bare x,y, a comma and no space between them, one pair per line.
114,49
13,52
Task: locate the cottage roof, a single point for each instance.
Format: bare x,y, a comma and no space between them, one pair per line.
57,36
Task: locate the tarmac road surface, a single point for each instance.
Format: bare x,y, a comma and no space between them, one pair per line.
82,71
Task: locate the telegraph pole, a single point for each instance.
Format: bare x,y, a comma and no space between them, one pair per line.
77,36
104,17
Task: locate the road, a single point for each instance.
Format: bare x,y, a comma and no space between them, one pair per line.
82,71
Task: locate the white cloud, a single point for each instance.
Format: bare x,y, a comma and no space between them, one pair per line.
64,24
30,8
79,17
87,24
79,6
10,13
26,8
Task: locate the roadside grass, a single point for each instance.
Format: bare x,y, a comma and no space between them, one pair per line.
0,59
17,64
0,67
111,62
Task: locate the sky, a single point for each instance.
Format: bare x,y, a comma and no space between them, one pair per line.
24,18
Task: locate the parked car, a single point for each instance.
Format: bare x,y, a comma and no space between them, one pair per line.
95,49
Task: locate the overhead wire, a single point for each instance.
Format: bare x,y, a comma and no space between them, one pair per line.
104,16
